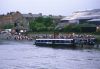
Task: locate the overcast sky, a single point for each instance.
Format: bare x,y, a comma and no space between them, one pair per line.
55,7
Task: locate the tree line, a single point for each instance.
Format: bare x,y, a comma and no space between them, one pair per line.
42,24
46,24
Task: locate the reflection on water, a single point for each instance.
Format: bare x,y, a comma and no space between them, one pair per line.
24,55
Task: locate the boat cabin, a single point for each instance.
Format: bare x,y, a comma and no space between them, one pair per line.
54,42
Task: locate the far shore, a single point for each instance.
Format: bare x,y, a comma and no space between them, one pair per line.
35,35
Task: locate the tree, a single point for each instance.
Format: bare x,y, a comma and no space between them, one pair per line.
42,24
48,21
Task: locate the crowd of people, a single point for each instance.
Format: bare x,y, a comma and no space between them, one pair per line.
63,36
15,36
19,36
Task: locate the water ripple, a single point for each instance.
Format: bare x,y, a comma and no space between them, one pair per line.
24,55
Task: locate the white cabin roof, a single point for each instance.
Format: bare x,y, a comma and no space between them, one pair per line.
54,39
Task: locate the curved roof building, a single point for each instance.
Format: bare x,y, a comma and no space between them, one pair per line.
82,15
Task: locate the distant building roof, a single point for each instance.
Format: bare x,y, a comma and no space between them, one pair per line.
89,17
81,17
31,15
57,17
26,15
94,20
88,14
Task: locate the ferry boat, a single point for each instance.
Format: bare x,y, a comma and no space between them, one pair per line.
55,42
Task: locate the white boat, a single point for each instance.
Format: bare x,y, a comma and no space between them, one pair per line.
55,42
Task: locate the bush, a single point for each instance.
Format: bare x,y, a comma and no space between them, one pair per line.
71,28
7,26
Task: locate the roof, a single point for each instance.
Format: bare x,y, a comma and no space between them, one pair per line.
26,15
81,17
57,17
94,20
54,39
31,15
89,17
88,14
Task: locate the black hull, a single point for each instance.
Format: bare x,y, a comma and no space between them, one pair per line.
57,45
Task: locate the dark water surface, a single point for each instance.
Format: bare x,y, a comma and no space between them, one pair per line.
24,55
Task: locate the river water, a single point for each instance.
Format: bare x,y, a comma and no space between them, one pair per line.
25,55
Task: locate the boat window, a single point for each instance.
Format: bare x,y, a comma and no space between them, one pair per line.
38,40
61,41
44,40
56,41
67,41
41,40
49,40
72,41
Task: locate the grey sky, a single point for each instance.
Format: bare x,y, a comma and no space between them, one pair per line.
55,7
